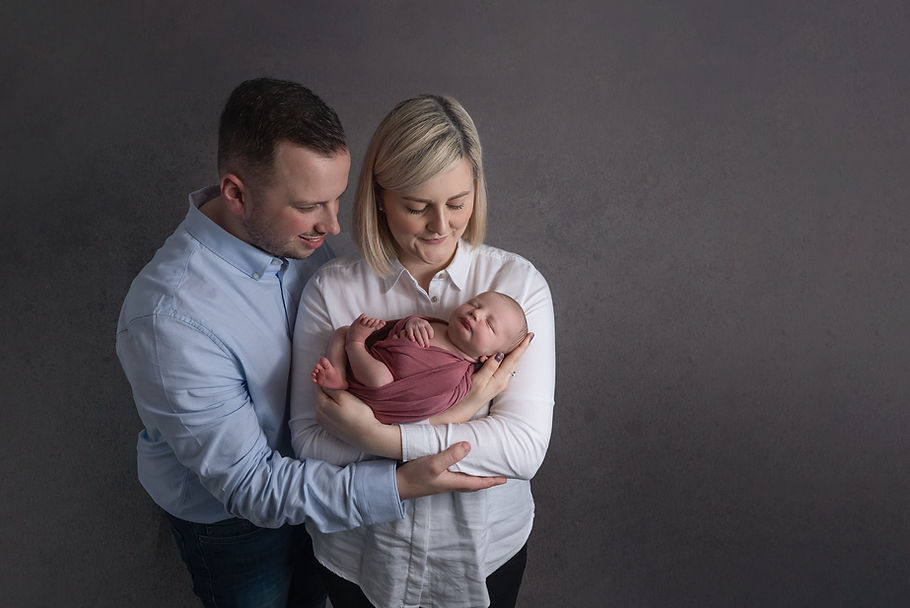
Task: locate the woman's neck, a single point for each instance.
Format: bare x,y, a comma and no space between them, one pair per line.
422,272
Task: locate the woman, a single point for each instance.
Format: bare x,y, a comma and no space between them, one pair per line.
419,222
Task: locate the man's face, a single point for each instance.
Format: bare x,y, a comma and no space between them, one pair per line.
290,215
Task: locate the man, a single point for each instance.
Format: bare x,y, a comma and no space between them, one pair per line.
204,338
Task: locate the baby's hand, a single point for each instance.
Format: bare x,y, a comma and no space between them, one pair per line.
362,327
417,330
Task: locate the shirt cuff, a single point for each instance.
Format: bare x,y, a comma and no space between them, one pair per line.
376,491
417,440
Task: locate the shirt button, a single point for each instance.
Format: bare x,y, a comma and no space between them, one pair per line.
255,275
275,262
434,299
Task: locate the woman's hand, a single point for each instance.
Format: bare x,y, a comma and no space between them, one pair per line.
488,382
351,420
494,376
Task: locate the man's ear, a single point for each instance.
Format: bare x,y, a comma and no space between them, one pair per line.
232,193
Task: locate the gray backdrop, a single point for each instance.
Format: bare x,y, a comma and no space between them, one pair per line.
717,192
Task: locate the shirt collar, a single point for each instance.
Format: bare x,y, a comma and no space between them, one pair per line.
246,258
456,271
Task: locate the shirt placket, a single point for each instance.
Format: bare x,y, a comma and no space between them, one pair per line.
280,265
418,573
436,296
431,303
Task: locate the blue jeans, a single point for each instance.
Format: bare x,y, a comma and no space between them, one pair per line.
235,564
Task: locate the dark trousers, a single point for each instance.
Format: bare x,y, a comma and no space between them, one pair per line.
235,564
502,585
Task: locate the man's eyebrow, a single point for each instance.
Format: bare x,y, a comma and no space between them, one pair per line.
298,203
429,202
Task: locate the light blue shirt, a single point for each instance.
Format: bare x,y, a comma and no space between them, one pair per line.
204,338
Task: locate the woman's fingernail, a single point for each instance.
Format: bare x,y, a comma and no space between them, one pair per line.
500,356
531,339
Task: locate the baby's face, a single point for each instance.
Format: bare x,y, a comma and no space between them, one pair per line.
485,325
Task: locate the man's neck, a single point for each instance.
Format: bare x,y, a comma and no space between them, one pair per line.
216,210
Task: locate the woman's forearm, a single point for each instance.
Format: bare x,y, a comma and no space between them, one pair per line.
513,439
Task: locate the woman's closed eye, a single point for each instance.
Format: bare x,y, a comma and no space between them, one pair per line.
421,210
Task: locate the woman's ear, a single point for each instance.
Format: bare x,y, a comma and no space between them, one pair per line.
377,196
232,192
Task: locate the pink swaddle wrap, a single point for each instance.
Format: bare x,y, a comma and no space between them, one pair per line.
427,381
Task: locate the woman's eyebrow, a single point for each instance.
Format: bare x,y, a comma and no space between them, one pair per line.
429,202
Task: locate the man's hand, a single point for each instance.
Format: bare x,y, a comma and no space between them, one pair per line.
351,420
431,475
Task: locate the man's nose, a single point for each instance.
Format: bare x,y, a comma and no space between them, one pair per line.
328,224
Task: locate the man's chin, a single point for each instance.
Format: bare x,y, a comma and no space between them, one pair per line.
298,250
298,253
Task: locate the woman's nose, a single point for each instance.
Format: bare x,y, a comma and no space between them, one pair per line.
437,222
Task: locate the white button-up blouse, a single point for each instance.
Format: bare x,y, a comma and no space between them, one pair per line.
442,551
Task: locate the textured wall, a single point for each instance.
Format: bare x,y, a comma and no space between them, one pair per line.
717,192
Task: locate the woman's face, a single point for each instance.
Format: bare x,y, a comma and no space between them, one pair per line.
428,220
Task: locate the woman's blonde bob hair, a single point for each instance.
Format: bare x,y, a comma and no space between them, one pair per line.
419,139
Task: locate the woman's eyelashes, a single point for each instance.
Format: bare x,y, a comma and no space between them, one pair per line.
414,211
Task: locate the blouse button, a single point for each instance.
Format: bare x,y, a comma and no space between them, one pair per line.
434,299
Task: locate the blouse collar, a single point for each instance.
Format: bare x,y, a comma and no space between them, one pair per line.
456,271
